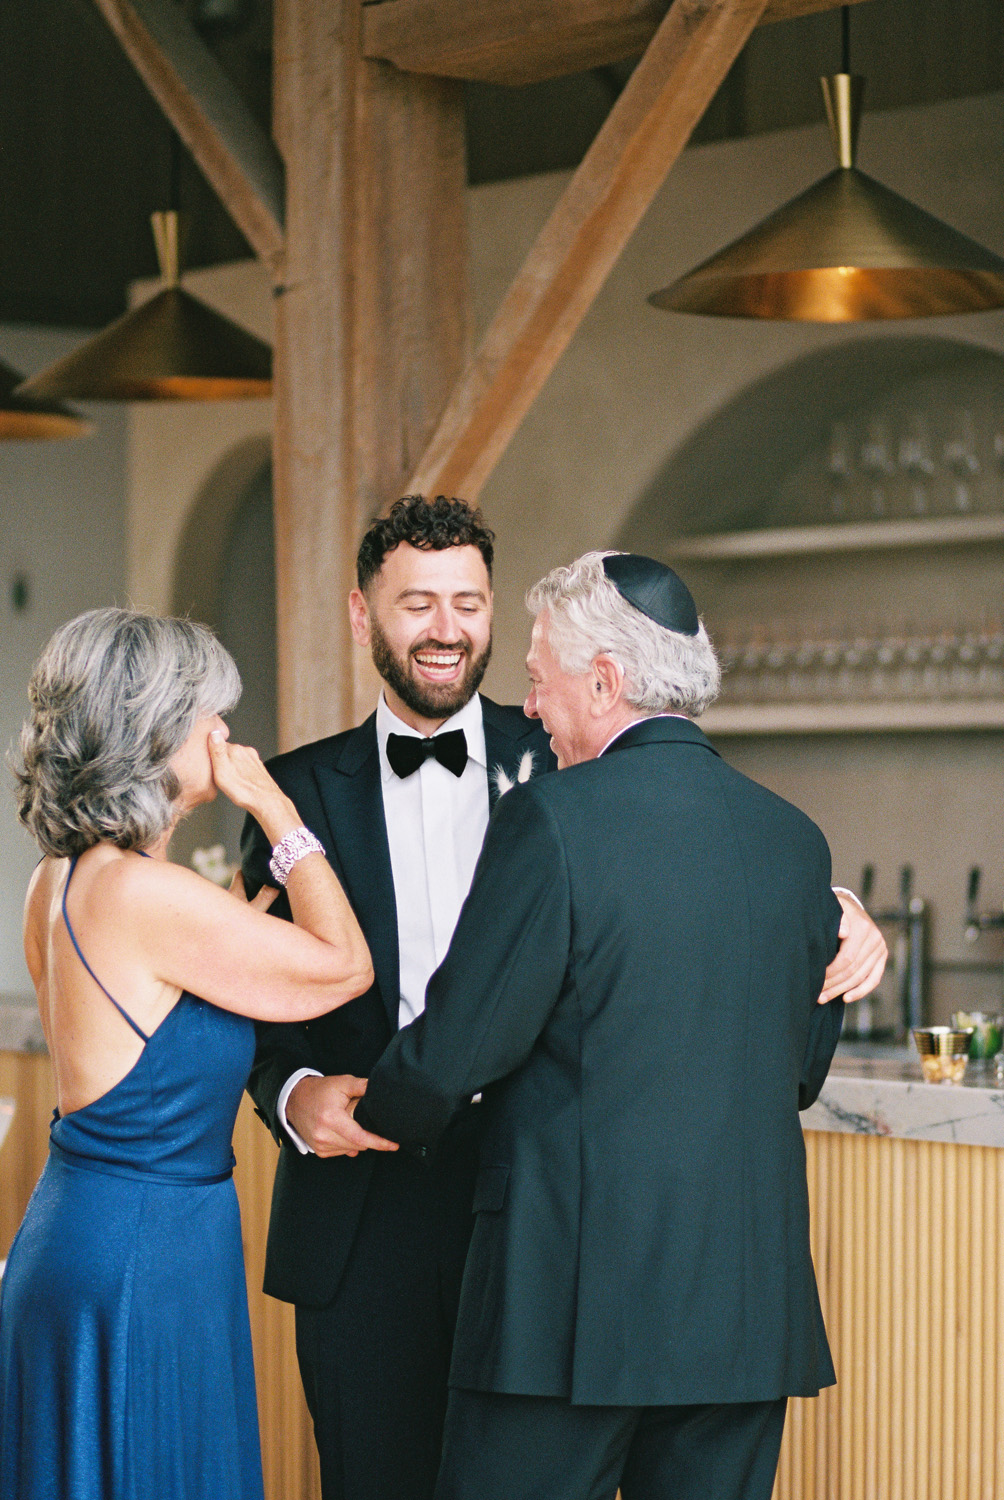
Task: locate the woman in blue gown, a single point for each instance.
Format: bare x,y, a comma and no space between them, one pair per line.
125,1354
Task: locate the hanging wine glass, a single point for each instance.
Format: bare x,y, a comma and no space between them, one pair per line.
960,449
915,446
876,461
916,461
960,457
838,466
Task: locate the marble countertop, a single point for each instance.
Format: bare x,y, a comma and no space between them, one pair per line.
883,1093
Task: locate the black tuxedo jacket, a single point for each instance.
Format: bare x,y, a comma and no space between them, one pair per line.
335,784
633,984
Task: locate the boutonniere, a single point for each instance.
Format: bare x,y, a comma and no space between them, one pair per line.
504,783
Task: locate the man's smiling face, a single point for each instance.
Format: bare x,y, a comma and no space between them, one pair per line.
427,617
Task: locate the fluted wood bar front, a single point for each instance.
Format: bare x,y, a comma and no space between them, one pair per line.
908,1243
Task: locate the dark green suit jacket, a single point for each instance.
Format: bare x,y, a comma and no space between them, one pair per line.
633,985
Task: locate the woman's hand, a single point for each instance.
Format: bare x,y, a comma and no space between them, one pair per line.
240,775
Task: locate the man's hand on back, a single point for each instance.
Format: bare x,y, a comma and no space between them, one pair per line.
860,959
320,1110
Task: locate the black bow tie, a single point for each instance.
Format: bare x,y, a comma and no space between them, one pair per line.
406,753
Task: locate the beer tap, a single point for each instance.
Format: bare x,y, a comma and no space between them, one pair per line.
909,919
979,921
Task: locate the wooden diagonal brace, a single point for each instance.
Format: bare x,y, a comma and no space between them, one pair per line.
643,135
236,156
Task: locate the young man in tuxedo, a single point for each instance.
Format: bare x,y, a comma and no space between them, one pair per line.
634,984
368,1243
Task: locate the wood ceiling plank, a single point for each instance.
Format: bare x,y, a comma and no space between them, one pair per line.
643,135
523,41
234,153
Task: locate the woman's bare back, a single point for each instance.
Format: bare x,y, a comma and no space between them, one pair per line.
91,1043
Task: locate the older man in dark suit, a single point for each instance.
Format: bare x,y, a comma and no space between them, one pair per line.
633,985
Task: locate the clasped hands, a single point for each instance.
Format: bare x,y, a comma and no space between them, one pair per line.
320,1110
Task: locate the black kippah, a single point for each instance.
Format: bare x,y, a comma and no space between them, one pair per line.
654,589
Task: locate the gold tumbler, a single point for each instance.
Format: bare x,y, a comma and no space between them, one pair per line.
944,1052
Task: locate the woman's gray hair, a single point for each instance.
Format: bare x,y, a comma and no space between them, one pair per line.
114,695
664,670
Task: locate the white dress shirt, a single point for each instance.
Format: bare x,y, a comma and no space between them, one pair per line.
436,824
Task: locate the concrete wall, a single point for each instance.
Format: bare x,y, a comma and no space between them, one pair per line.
63,525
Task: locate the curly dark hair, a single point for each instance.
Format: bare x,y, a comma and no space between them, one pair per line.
430,525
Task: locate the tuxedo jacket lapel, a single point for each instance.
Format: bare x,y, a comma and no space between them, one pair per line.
505,745
351,793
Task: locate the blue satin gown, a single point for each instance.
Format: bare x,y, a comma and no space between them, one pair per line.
125,1348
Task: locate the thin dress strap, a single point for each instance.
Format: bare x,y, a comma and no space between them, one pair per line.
73,939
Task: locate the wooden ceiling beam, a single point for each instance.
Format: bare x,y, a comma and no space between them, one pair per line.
643,135
233,152
523,41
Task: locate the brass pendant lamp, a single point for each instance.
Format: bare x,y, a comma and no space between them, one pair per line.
23,419
171,348
846,250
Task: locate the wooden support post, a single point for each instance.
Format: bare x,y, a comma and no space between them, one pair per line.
372,326
643,135
234,153
371,335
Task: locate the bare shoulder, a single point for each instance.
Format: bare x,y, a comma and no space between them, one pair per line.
43,887
132,883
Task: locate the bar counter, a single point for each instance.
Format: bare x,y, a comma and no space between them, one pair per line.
906,1185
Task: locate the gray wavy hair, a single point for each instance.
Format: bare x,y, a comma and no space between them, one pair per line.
664,670
114,695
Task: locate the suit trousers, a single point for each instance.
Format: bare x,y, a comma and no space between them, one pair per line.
375,1361
499,1447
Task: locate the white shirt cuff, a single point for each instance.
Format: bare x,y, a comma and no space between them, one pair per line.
841,890
280,1108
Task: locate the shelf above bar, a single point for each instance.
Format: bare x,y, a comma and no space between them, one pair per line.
878,717
846,536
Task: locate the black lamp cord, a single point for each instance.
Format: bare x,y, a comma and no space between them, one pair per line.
845,38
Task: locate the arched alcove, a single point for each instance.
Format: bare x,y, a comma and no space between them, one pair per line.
225,576
728,473
204,537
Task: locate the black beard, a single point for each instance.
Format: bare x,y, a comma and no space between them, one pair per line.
429,700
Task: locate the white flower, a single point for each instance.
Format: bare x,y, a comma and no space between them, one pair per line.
505,783
212,864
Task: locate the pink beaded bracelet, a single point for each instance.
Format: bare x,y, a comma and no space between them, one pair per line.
297,843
